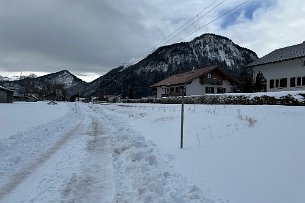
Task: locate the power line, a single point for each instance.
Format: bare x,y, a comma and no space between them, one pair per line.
190,20
226,13
201,27
195,22
196,16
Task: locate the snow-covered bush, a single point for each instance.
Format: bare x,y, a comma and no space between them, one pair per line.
249,119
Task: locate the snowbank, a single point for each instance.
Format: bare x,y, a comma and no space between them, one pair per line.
142,172
237,153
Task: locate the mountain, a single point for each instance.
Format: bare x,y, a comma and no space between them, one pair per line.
70,82
206,50
62,77
136,76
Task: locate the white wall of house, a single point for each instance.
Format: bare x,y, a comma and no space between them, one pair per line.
285,69
195,88
160,91
226,84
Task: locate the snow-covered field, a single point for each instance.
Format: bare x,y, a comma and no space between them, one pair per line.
130,153
20,116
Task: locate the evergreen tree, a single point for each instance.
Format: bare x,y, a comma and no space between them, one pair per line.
130,94
260,83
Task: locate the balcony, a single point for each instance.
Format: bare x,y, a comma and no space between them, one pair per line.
211,81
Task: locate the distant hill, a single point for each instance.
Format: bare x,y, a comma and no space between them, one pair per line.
70,82
206,50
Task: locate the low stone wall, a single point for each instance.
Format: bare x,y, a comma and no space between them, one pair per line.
288,100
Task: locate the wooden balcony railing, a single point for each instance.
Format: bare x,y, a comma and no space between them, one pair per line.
211,81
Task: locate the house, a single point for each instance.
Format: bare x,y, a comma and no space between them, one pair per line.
197,82
20,96
6,95
282,69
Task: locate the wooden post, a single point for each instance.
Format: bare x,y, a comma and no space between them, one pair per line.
182,117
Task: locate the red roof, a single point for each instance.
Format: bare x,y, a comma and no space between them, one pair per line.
187,77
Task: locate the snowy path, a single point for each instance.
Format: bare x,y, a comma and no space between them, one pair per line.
77,167
89,155
129,153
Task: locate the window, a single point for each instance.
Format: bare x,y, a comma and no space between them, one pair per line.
209,90
221,90
303,81
271,84
171,90
299,81
277,83
292,82
177,90
283,82
209,75
303,63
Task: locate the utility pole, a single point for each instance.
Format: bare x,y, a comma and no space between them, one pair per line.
182,117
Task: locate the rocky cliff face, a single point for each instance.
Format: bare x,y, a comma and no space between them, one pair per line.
206,50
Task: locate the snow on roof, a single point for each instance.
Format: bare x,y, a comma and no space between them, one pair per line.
282,54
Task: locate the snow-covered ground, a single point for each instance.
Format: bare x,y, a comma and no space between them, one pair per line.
88,155
247,154
130,153
20,116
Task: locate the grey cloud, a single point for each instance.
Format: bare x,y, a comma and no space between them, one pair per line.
92,34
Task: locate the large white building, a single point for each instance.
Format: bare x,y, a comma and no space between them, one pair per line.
283,69
202,81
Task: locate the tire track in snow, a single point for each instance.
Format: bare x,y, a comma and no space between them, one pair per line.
22,175
78,169
96,181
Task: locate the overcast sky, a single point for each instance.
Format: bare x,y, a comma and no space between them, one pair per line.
90,37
